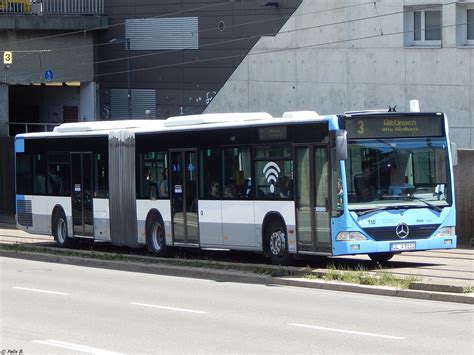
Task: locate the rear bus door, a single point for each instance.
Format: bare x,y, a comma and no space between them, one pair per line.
81,194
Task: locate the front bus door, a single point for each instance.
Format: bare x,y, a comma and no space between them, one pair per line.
312,199
81,178
184,172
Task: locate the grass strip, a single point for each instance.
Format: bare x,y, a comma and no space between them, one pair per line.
469,289
360,275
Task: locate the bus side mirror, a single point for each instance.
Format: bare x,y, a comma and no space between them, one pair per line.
454,154
340,143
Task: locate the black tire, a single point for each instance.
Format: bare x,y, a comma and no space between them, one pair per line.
276,244
155,236
60,231
381,258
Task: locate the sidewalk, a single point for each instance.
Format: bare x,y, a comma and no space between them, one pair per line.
453,267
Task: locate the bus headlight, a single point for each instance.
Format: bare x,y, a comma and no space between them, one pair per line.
446,232
349,236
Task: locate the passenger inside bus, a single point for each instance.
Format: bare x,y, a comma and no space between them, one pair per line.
214,190
164,184
284,187
230,190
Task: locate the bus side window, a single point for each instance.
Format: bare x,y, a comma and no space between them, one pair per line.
24,175
210,174
152,175
58,176
237,173
274,176
274,179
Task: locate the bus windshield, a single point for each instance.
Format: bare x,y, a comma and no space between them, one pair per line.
398,173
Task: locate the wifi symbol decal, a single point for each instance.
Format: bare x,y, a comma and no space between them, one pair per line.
271,172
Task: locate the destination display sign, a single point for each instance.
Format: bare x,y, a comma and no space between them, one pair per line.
272,133
384,126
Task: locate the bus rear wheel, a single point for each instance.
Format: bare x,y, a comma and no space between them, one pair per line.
381,258
276,244
156,237
60,231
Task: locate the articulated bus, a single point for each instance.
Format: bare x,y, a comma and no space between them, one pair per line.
376,183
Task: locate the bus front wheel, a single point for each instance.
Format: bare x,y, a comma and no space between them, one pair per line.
156,237
276,244
381,257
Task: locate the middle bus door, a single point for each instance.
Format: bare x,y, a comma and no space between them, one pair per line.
184,203
81,194
312,199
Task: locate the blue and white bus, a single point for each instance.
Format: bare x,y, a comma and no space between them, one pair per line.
376,183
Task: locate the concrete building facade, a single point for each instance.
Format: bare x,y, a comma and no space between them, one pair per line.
340,55
51,77
181,52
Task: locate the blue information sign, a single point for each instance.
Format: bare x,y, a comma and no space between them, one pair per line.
48,75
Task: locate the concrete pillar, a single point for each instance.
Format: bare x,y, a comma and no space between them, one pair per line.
87,106
4,116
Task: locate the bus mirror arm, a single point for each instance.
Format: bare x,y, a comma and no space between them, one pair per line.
340,144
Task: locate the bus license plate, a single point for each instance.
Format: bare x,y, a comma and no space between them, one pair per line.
402,246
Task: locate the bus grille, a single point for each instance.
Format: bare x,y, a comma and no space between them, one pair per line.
24,213
388,233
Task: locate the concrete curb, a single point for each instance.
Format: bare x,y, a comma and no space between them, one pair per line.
378,290
237,276
436,287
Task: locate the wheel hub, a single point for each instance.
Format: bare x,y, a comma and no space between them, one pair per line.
277,243
61,231
156,237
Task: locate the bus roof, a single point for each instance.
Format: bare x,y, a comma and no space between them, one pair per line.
385,113
100,126
215,118
179,123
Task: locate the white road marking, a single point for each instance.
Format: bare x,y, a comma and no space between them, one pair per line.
76,347
42,291
346,331
167,308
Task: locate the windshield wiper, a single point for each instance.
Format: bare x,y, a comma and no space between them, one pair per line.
384,208
362,213
430,205
414,198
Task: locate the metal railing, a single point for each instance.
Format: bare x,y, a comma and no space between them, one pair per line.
53,7
27,127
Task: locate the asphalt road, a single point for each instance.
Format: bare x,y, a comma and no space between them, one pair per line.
55,308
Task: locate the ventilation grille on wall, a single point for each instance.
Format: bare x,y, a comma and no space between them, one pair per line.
142,100
24,213
163,33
